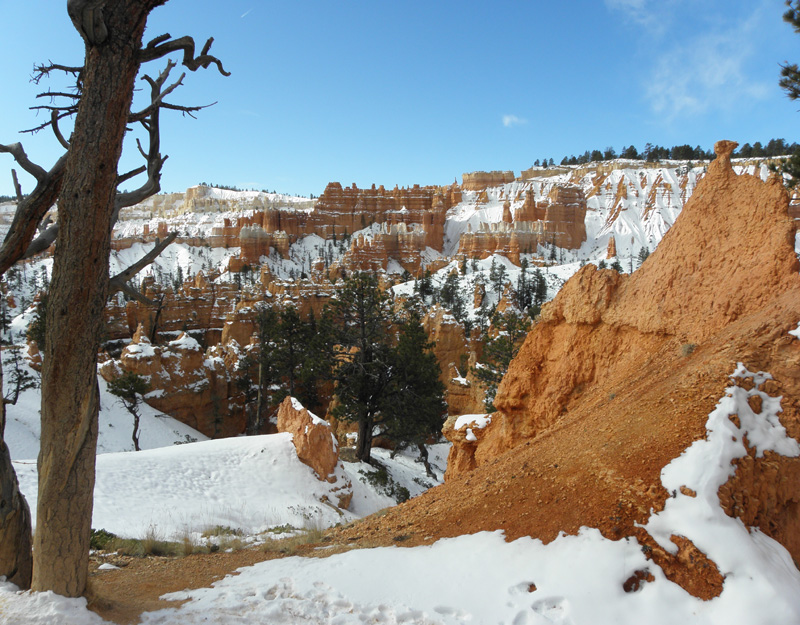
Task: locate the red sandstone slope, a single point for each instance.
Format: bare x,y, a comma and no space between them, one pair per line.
618,378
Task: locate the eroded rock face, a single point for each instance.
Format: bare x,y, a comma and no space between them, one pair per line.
612,248
621,373
186,383
557,219
315,444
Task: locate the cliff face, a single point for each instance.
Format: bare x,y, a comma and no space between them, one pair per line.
619,378
728,261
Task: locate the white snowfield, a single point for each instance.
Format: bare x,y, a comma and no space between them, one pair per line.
574,580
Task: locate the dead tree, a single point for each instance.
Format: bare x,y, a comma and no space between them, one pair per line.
84,182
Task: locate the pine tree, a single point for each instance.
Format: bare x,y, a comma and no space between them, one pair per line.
525,287
315,372
501,342
361,315
130,387
413,407
539,291
643,254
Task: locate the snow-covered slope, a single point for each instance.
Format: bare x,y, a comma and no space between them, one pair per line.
116,424
574,580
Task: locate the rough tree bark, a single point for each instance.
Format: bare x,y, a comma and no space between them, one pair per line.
15,518
88,206
76,300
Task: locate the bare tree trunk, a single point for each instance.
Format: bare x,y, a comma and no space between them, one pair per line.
135,435
76,300
423,454
364,445
15,518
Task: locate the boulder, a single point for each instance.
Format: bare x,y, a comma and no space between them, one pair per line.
315,443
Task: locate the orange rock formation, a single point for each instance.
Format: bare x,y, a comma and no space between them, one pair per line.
315,444
185,382
559,220
479,180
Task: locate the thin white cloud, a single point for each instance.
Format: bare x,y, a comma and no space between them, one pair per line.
640,11
513,120
656,17
705,74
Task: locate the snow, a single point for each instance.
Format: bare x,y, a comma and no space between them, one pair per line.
480,578
185,342
247,483
314,418
477,421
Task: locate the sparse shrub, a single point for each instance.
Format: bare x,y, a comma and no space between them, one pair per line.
687,349
100,539
154,545
383,482
188,545
291,544
222,530
126,547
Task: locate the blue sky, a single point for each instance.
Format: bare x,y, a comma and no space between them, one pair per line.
405,92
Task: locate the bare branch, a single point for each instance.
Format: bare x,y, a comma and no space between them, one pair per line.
126,288
42,242
30,212
120,281
16,150
161,46
155,161
17,187
160,39
158,94
41,71
186,110
57,131
58,94
45,223
131,174
59,112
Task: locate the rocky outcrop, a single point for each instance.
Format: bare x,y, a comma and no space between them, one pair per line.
612,248
455,356
465,431
621,372
185,383
340,211
315,443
